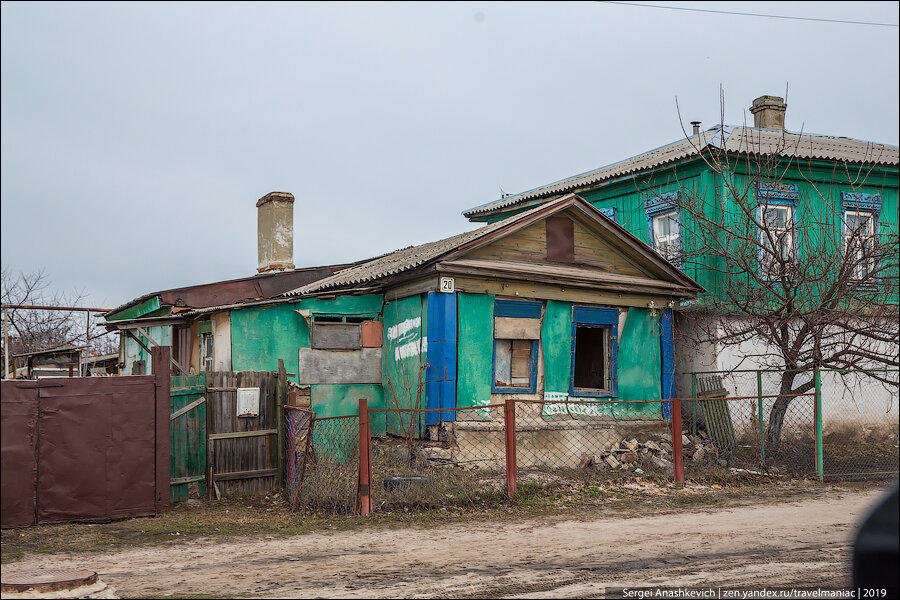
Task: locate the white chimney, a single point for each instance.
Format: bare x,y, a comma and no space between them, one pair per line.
275,232
768,112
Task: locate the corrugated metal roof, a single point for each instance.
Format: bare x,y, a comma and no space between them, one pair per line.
736,139
404,259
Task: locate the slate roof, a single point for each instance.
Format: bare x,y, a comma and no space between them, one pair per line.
403,259
765,142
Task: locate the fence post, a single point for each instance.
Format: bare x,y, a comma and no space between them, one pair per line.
820,457
160,356
762,421
677,449
694,407
363,491
509,427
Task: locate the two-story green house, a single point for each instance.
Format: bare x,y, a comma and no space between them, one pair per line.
755,215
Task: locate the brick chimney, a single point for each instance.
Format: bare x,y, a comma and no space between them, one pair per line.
768,112
275,232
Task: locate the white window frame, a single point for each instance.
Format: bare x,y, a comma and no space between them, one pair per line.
863,268
669,246
766,263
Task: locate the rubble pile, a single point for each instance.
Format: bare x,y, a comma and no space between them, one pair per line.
654,454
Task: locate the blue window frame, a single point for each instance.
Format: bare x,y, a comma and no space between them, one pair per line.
515,360
610,212
595,333
664,224
860,214
777,211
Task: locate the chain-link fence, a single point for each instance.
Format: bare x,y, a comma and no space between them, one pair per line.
736,426
332,466
415,465
591,440
857,422
297,440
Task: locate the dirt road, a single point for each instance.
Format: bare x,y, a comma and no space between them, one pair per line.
806,542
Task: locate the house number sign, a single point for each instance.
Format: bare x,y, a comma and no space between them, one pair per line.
248,402
447,285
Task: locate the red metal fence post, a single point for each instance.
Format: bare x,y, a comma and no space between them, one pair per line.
509,427
677,450
363,492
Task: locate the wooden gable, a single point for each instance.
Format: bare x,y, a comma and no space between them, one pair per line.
570,246
530,246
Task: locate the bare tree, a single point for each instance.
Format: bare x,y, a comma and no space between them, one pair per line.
795,285
32,330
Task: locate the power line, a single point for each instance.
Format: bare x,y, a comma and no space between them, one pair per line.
743,14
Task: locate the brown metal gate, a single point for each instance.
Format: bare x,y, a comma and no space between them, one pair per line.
85,448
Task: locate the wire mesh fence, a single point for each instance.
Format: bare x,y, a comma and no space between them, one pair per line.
420,466
738,426
860,424
297,427
591,440
858,419
725,437
330,480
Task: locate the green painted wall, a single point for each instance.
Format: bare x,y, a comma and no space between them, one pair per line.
556,343
638,365
133,352
335,400
361,306
404,356
262,335
475,347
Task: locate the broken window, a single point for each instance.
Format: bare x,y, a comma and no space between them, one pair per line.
594,350
517,329
337,332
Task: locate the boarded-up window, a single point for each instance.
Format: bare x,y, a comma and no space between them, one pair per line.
513,363
336,336
560,239
517,327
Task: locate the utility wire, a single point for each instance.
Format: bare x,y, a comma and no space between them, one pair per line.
743,14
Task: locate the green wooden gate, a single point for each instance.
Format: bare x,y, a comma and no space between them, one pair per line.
187,435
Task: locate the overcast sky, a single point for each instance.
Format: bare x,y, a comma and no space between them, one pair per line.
136,138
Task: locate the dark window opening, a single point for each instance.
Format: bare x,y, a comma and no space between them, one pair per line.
354,319
591,357
319,319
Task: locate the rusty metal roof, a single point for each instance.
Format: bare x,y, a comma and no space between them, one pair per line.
751,140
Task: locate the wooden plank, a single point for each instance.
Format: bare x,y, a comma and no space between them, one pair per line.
155,343
510,328
182,480
245,474
182,391
336,336
185,409
538,290
241,434
221,389
335,366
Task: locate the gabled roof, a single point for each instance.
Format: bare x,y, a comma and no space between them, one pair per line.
368,274
752,140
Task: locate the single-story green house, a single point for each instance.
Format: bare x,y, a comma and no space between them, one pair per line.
553,303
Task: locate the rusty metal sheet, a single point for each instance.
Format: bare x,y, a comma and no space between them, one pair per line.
560,239
19,467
